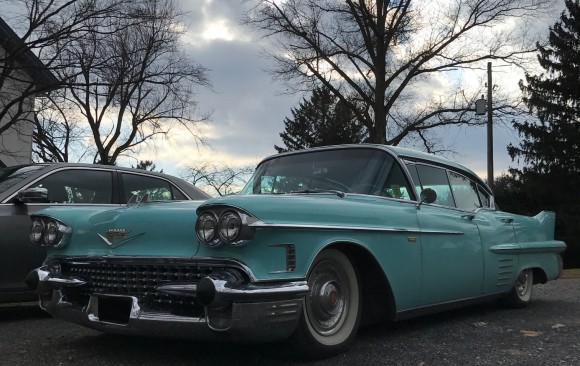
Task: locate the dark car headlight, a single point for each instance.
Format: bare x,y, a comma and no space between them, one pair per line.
218,225
51,233
46,231
206,228
230,226
36,231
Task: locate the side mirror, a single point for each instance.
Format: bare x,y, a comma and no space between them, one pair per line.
32,195
428,195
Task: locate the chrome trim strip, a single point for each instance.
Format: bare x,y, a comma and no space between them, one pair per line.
550,246
263,225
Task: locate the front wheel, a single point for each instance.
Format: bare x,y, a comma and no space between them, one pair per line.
332,306
521,293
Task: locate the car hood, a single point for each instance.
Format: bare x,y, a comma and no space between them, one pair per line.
151,229
318,209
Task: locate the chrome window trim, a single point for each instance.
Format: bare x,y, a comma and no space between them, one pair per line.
50,172
456,171
112,170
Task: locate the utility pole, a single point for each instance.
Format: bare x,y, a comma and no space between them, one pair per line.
489,129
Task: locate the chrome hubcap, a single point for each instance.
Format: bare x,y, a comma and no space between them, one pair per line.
327,302
522,283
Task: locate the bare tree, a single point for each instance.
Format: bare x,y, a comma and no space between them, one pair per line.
218,179
127,80
38,26
388,52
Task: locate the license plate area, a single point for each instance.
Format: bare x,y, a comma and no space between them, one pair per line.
114,309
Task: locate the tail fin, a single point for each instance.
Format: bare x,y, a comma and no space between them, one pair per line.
547,221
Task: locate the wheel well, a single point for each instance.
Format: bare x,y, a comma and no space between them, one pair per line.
377,297
539,275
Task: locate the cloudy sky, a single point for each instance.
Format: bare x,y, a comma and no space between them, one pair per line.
249,108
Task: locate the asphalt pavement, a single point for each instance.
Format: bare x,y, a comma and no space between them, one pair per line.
547,332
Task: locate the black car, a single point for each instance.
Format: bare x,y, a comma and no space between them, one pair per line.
25,189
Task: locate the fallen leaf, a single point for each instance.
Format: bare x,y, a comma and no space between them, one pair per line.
556,326
480,324
530,333
513,352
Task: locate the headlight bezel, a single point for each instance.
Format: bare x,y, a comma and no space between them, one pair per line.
52,233
227,215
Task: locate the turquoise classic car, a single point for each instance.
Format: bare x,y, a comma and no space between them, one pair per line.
318,242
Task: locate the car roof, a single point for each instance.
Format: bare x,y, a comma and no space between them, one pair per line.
190,189
401,152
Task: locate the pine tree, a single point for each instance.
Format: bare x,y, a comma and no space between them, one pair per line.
322,120
553,144
550,147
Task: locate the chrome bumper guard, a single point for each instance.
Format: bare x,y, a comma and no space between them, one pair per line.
233,310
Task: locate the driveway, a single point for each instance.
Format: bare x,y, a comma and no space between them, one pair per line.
547,332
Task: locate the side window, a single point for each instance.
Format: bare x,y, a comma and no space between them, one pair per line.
412,168
396,185
436,179
464,192
78,186
483,197
157,189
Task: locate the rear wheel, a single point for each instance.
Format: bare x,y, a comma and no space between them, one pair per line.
332,306
521,294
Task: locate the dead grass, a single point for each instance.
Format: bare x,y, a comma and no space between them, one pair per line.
571,273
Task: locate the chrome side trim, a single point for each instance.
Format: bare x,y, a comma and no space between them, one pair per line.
550,246
263,225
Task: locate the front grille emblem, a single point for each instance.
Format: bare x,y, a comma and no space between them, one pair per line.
117,237
113,234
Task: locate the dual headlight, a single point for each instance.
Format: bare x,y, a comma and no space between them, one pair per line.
46,231
230,226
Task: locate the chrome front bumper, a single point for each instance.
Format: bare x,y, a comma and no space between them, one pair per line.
232,310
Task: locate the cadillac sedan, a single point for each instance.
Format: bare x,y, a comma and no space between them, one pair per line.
26,189
318,242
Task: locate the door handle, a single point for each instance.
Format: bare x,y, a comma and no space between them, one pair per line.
468,216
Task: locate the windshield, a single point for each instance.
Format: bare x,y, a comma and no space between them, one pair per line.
12,175
346,170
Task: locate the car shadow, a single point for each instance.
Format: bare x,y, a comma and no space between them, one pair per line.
135,350
21,311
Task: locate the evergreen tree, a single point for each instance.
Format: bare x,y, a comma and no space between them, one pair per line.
550,147
553,144
322,120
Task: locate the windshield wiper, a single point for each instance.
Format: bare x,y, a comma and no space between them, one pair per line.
340,194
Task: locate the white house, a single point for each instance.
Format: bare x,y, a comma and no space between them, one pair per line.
22,77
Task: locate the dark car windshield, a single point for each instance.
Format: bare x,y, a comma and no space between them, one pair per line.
345,170
12,175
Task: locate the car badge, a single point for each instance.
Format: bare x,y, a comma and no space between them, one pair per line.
116,237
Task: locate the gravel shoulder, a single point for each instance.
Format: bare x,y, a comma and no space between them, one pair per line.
547,332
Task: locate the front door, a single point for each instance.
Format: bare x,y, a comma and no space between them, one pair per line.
452,256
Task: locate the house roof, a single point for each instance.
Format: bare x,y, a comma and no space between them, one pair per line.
31,64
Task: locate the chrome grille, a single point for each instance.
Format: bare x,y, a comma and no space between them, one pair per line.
135,279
